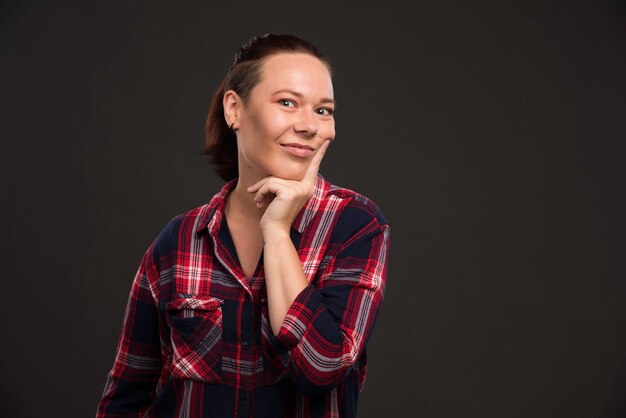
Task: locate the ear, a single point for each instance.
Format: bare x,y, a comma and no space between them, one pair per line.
232,107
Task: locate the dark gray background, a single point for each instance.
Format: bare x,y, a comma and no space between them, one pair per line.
490,134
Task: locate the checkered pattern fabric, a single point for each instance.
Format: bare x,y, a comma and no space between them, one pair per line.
196,339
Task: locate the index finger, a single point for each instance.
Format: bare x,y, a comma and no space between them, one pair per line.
311,172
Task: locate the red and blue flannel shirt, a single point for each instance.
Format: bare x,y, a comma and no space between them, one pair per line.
196,339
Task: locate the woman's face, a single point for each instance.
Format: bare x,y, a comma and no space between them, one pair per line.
292,103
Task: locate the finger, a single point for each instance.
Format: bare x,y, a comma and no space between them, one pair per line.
272,186
311,172
257,185
259,196
268,191
264,189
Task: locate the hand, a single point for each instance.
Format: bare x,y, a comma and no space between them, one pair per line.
286,197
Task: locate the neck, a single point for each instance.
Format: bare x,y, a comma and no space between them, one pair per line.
241,203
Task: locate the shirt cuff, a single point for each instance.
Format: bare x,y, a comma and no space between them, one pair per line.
297,320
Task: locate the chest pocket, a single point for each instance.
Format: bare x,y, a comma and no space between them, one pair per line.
196,337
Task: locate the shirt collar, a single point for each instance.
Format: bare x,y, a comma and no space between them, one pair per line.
211,216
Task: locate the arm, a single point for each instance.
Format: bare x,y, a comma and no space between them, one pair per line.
130,385
284,276
326,328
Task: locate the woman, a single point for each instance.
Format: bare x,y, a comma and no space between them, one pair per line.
259,303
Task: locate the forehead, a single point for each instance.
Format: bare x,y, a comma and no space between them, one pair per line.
299,72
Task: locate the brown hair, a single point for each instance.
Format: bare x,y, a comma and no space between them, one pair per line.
245,72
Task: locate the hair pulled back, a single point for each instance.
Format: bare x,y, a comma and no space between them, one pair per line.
244,74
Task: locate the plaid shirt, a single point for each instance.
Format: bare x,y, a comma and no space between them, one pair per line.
196,339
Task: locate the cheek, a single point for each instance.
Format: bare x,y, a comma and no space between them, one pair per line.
279,121
270,123
256,122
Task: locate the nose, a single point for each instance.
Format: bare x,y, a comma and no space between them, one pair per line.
307,123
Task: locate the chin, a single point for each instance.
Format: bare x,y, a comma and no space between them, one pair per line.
289,173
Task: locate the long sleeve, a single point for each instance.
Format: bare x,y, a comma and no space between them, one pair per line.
131,383
328,324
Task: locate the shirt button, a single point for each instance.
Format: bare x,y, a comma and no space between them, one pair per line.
244,395
244,344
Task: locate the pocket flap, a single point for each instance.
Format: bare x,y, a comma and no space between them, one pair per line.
205,303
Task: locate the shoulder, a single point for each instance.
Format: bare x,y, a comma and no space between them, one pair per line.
180,228
357,213
356,206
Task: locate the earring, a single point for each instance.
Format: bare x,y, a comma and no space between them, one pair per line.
231,127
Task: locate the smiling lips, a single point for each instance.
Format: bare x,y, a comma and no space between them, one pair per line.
298,150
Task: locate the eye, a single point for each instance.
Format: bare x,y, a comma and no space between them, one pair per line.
326,111
287,101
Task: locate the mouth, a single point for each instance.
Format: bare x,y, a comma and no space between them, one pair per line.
296,145
298,150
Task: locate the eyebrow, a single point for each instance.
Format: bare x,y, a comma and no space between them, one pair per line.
295,93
